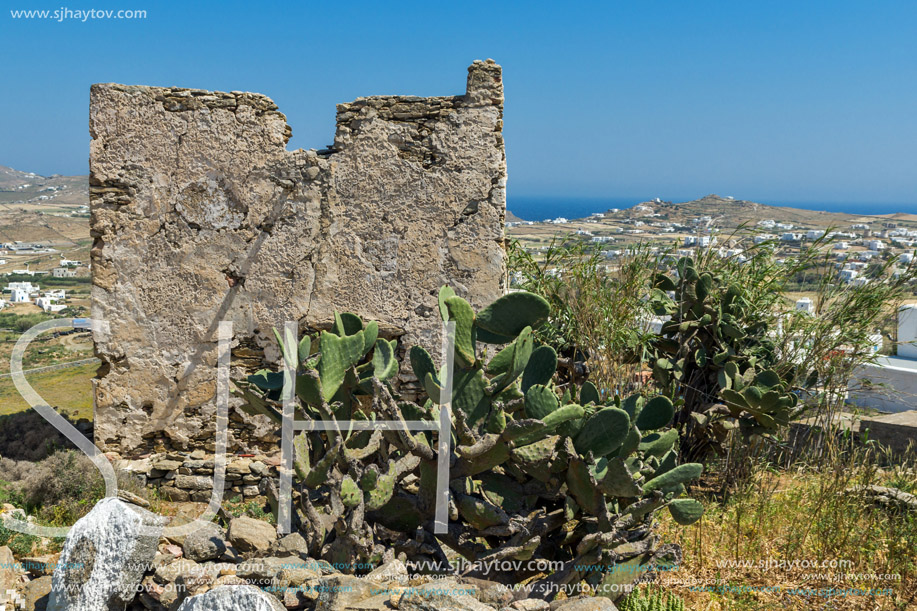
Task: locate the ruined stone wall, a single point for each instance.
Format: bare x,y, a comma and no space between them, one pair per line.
200,214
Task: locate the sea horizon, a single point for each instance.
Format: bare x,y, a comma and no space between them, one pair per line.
530,208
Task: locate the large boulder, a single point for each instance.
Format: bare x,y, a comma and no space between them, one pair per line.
249,535
291,545
35,595
442,595
343,592
393,570
232,598
105,557
205,543
277,574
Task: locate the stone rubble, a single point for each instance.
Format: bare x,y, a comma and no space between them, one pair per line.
280,575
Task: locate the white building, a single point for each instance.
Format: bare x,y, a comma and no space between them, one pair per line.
19,296
22,286
48,304
28,272
69,272
815,234
907,331
702,241
841,246
890,384
875,340
848,275
790,237
805,305
875,244
764,237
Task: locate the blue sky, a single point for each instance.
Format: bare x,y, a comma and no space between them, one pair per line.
772,101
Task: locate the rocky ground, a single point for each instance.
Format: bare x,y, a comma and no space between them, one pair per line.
119,557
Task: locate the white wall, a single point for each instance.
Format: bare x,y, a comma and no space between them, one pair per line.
897,393
907,332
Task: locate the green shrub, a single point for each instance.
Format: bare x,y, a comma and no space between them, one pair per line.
19,543
236,507
645,600
59,489
600,313
21,323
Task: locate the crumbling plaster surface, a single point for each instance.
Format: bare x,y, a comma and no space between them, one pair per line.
200,214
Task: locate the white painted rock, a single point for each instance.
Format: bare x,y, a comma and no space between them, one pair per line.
104,558
232,598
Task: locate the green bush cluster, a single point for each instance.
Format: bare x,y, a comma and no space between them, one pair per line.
58,490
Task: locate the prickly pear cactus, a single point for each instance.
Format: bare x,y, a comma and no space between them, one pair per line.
716,356
537,471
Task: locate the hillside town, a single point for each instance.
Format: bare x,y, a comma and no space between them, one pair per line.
856,243
859,249
20,292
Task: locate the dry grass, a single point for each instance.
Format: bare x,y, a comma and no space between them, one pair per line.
803,516
67,390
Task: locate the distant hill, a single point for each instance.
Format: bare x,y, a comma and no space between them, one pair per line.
512,218
662,222
18,187
43,209
733,212
10,178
